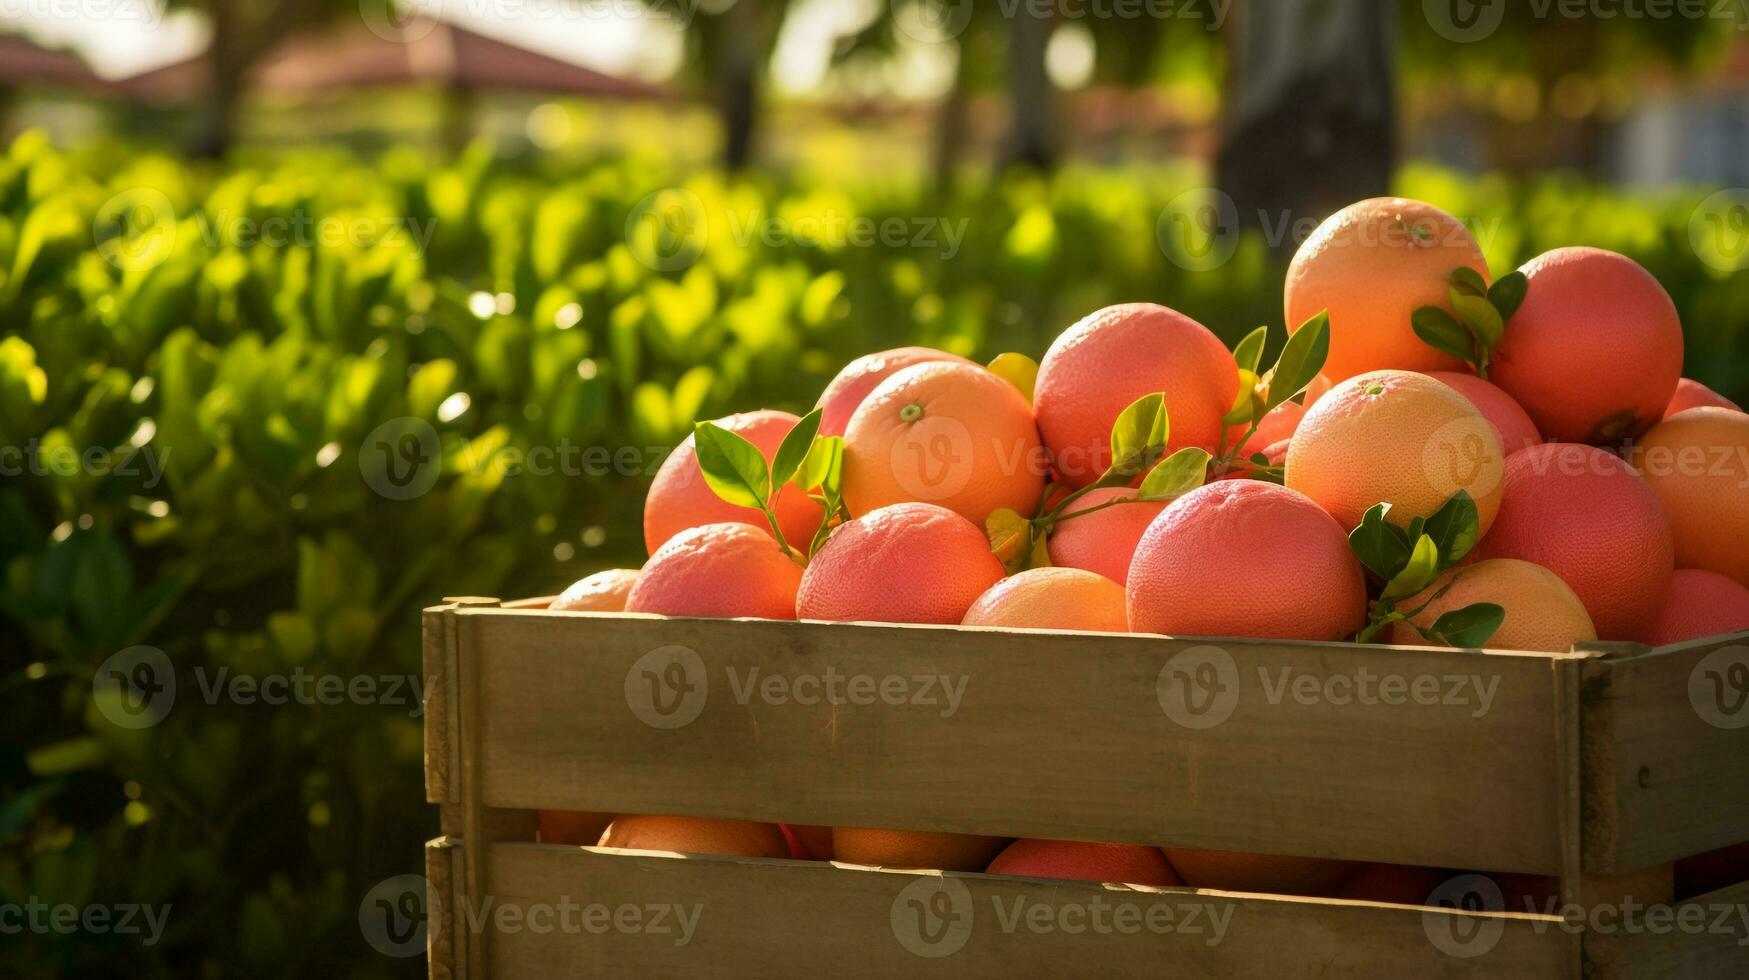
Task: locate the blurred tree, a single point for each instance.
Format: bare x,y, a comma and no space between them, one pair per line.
730,45
1032,137
1309,121
1544,79
243,31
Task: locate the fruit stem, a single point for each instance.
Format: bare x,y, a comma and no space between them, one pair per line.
777,532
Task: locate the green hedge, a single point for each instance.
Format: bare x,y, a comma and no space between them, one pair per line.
201,369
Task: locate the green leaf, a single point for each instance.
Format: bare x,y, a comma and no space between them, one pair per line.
1138,437
1455,528
1301,359
1249,353
821,460
732,466
1470,627
1480,316
1418,574
1441,331
1177,474
1379,544
1508,292
1466,279
793,451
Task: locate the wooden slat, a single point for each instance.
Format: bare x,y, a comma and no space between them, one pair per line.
785,918
1056,736
438,668
1662,780
1704,938
445,944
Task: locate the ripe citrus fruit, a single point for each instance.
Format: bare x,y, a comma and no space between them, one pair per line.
908,563
1275,873
1279,425
572,826
1700,604
846,391
679,498
696,835
1588,517
1542,613
1372,265
1104,541
1399,884
718,570
1395,437
1130,864
1597,316
1100,365
1246,558
954,435
1052,599
1693,394
1697,462
605,591
914,849
1509,419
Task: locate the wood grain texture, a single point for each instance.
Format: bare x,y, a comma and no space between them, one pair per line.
754,918
1666,753
438,668
1052,735
1703,938
444,943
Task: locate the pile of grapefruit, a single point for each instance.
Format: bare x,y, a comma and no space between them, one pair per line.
1436,456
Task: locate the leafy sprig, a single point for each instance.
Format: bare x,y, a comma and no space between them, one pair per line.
736,471
1138,441
1482,312
1298,365
1409,560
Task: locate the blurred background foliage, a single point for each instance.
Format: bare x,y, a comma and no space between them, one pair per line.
511,308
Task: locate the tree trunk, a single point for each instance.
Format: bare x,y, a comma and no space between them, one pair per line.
237,43
950,126
1310,115
215,119
1031,141
737,82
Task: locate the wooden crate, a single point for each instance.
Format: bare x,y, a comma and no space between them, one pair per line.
1596,766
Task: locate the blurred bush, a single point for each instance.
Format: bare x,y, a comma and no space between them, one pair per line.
256,417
